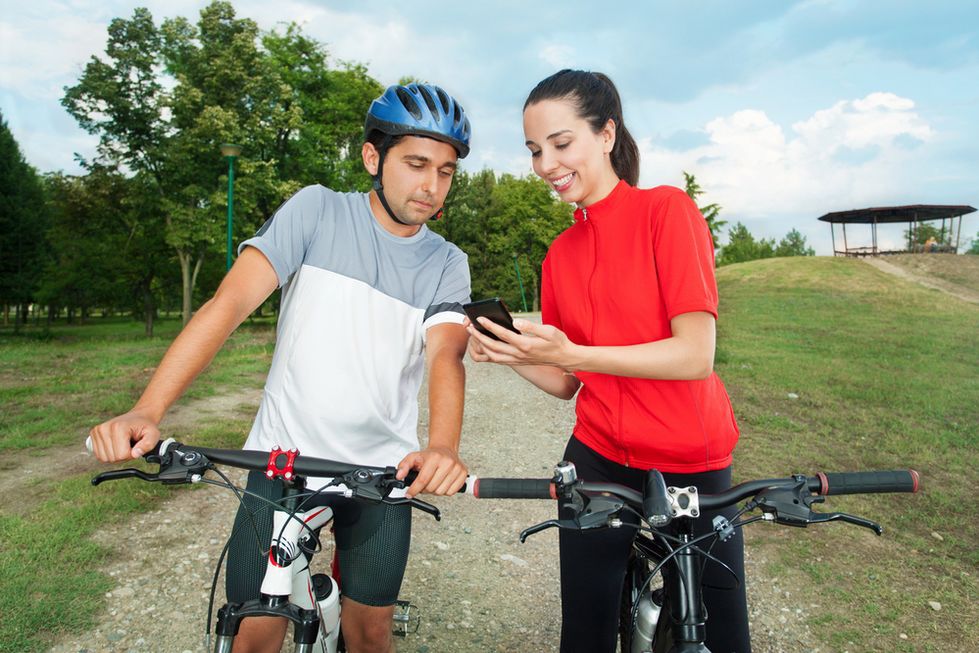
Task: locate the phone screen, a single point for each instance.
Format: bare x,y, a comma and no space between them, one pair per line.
493,309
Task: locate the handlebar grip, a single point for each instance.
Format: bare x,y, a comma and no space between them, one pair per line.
898,480
513,488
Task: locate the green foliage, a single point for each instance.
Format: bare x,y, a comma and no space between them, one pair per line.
974,249
925,231
794,244
163,99
710,211
742,246
22,225
503,224
106,245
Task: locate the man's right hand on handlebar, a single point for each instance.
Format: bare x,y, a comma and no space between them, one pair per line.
125,437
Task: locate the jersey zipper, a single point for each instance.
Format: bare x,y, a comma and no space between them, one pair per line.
618,435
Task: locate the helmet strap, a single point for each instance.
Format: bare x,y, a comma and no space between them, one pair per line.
379,187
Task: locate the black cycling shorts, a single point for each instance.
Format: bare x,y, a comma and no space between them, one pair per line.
371,539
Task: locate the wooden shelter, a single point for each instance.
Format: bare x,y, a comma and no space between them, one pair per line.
913,214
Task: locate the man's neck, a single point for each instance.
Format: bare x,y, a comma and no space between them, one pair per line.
389,225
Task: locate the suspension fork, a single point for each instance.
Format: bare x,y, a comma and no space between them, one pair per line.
306,621
684,580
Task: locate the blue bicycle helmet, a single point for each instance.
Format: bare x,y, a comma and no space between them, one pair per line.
420,110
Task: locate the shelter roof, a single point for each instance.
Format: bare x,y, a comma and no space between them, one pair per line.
910,213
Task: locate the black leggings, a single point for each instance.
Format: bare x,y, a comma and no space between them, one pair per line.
593,566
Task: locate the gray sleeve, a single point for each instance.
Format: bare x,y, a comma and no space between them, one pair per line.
453,290
286,236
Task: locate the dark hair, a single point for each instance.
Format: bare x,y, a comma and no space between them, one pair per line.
596,100
377,138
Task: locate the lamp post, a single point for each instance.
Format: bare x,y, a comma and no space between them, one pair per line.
231,152
523,298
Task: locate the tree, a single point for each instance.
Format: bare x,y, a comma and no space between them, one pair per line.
710,211
794,244
22,226
742,246
106,246
974,249
163,99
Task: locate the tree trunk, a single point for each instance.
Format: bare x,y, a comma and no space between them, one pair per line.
189,278
149,311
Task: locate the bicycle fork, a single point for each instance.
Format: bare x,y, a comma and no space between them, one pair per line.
687,614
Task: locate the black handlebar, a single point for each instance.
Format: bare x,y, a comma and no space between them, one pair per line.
831,483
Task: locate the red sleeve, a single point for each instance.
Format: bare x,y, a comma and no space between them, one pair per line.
684,255
548,305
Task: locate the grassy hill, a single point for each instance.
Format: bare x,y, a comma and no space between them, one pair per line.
886,375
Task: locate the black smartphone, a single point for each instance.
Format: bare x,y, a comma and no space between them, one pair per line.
493,309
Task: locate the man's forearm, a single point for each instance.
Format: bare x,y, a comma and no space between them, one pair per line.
446,396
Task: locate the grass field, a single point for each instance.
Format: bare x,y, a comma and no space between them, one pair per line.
54,386
884,373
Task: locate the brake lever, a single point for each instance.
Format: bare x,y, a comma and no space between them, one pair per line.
129,472
550,523
820,517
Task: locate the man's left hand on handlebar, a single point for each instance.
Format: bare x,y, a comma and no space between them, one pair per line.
440,471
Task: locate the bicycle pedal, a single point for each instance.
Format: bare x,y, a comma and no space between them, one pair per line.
406,619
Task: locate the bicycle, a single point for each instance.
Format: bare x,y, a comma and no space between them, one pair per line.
289,589
670,617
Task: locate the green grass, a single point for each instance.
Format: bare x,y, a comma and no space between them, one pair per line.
54,386
51,566
885,374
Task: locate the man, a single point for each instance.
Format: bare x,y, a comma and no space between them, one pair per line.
369,296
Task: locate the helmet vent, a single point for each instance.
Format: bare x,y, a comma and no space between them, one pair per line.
443,99
409,103
430,101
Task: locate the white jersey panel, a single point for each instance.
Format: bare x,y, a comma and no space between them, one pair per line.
345,374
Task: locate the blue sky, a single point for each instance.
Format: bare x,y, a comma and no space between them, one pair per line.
783,110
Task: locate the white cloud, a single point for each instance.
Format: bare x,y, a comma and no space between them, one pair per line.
556,55
853,154
39,67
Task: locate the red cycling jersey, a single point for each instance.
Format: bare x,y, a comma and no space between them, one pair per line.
629,264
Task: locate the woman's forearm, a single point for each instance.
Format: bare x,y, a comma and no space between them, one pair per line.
552,380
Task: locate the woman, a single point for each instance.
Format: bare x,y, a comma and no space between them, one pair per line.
629,303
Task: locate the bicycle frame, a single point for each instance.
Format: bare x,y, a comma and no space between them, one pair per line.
287,588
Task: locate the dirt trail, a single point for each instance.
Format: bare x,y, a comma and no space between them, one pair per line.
955,290
32,468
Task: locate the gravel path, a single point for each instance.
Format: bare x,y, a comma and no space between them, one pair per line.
475,586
